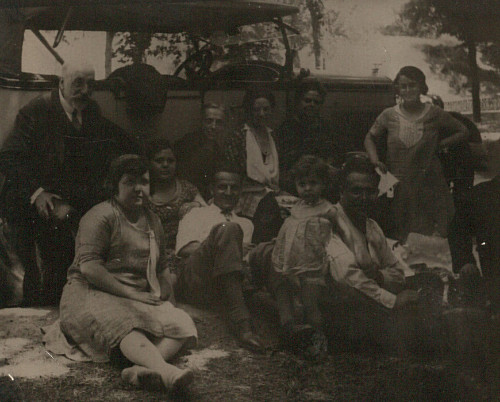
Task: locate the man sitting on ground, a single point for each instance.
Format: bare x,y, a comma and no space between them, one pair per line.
212,241
368,278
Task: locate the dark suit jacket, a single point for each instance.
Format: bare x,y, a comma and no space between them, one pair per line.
197,161
46,150
485,214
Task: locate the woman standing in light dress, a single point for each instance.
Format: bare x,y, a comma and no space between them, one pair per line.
422,201
118,286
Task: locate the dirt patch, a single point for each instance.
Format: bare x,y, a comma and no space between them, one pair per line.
199,359
22,354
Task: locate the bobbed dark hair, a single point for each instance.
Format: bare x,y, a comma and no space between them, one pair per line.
311,165
357,163
415,74
155,145
252,95
309,84
130,164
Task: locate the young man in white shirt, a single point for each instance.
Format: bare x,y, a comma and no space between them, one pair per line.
212,241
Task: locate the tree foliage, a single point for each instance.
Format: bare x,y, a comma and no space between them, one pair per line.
259,41
459,18
134,47
474,23
451,63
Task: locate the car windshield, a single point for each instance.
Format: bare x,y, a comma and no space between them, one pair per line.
233,30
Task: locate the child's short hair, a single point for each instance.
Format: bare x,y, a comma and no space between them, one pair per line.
311,165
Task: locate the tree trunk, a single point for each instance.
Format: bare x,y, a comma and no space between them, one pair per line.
474,79
108,53
315,8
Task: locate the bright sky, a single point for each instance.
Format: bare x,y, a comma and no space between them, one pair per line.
363,47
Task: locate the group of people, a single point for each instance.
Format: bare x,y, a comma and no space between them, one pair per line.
186,219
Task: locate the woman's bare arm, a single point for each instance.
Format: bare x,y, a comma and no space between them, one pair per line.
371,149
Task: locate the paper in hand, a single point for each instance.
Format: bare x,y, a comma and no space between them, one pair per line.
386,184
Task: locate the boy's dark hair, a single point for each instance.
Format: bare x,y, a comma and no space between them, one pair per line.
133,165
311,165
309,84
155,145
357,163
253,94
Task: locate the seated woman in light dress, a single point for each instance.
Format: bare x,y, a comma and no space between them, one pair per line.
118,290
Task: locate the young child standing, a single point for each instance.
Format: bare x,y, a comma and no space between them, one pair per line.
299,259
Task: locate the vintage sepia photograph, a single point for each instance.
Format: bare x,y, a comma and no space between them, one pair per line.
249,200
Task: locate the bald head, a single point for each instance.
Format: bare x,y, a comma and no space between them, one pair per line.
76,83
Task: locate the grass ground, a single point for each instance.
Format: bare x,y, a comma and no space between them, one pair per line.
347,374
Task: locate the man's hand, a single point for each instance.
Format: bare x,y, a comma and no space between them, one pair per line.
406,298
374,274
44,203
469,271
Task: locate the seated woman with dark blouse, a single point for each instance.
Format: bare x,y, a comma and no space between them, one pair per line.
170,197
118,290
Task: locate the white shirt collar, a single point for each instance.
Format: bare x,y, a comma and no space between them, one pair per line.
65,104
68,109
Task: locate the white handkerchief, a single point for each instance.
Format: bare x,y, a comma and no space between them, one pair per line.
386,184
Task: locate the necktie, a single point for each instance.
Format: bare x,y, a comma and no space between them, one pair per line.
227,215
74,119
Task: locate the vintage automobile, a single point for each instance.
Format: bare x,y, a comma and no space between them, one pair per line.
352,102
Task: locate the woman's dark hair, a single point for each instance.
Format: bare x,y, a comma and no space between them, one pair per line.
357,163
130,164
310,165
415,74
155,145
252,95
311,84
